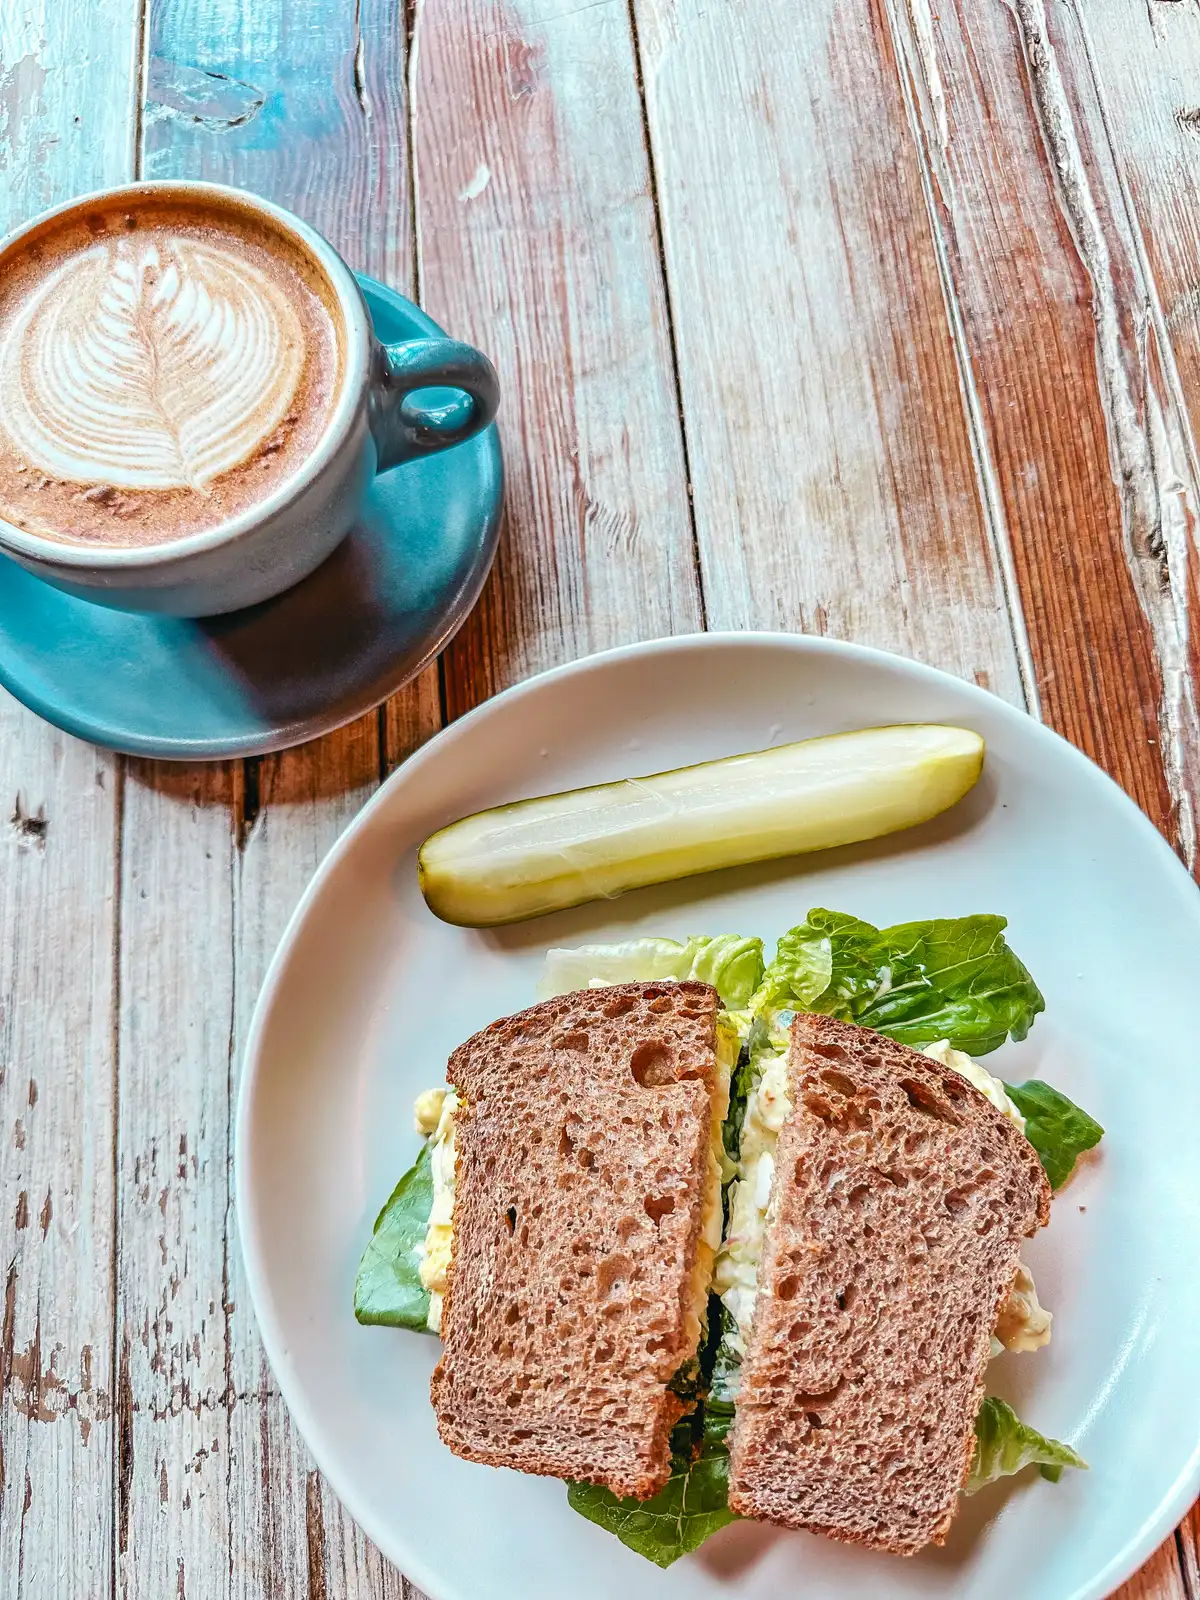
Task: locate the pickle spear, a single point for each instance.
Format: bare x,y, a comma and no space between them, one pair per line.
534,856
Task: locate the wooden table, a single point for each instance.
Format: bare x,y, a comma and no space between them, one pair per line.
841,316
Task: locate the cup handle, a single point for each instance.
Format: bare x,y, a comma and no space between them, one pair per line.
403,431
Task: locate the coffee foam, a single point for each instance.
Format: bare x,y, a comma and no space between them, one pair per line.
163,366
155,363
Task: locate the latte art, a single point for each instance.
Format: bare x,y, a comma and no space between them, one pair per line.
150,364
168,363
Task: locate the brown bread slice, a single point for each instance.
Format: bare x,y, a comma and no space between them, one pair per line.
901,1199
580,1184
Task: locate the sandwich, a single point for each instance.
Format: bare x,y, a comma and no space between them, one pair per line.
586,1220
711,1238
900,1202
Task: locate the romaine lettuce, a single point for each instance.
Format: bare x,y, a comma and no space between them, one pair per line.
695,1501
1004,1445
388,1288
1056,1127
679,1518
733,965
950,978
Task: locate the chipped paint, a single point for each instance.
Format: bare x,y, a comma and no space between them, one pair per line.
921,17
919,57
212,100
21,86
1149,449
28,828
479,182
38,1389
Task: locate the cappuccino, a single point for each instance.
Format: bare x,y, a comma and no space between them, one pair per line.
166,364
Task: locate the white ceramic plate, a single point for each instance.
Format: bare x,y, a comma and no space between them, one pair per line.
369,993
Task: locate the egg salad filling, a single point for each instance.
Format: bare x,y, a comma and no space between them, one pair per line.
1023,1324
434,1113
735,1277
979,1077
719,1170
434,1116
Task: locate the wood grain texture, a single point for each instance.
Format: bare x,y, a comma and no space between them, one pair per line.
836,488
62,129
1090,452
536,237
176,1010
1188,1537
301,102
1145,75
1162,1577
286,1522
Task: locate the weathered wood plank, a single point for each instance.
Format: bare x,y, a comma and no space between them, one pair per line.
536,237
176,1019
1143,68
57,1087
835,483
1161,1578
286,1522
303,103
1091,456
307,107
1189,1550
66,110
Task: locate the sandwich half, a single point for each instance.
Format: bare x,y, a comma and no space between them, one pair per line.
586,1217
900,1200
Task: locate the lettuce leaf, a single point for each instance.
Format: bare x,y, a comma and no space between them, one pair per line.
388,1288
949,978
1056,1127
800,973
679,1518
741,1081
733,965
1004,1445
695,1502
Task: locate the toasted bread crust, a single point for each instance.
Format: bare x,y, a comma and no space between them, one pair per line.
901,1199
582,1146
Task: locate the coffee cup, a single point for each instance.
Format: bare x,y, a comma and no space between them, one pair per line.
193,405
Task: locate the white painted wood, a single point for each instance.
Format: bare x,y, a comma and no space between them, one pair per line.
834,473
1092,460
283,1518
65,126
176,1021
1133,80
537,239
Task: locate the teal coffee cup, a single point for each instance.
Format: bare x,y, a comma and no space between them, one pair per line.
193,405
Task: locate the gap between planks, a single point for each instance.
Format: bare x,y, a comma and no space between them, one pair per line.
672,341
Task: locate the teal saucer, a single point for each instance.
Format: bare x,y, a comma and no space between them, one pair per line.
389,598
